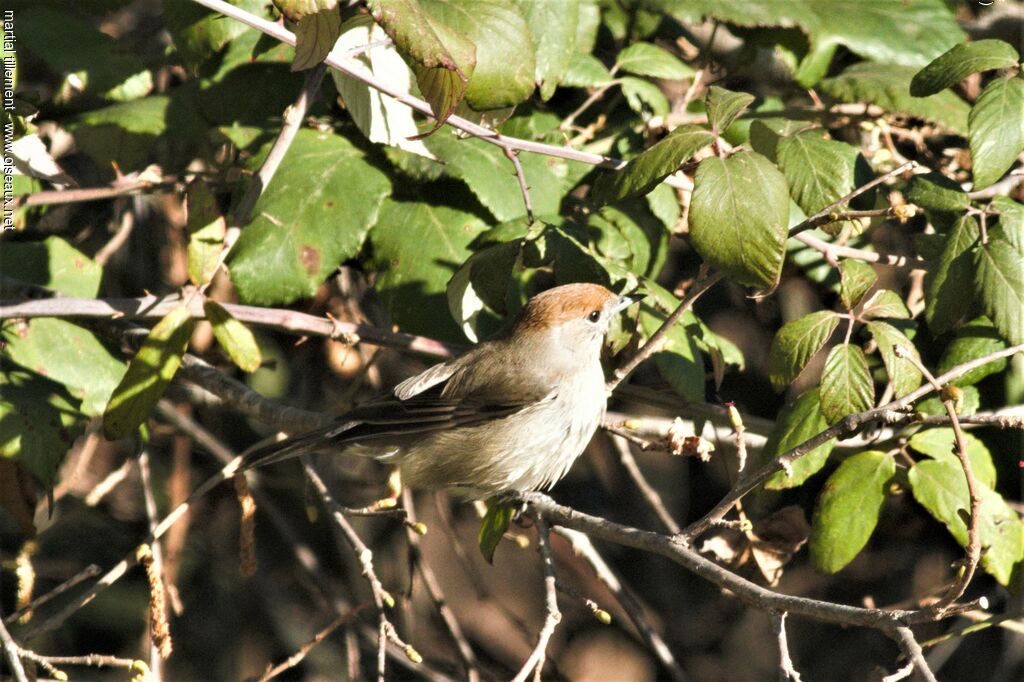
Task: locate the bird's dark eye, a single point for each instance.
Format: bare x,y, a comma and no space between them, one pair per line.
594,315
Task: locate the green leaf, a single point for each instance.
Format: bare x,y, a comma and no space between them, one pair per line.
738,217
940,487
417,248
646,171
38,422
644,97
888,86
495,522
124,133
796,343
198,33
442,58
766,133
846,386
491,177
848,509
316,33
86,59
820,171
207,227
1011,219
680,361
505,63
1000,279
855,278
885,303
996,128
940,443
315,214
723,106
937,192
148,375
630,235
904,374
975,339
586,71
797,422
553,27
482,281
949,283
961,61
234,337
52,263
647,59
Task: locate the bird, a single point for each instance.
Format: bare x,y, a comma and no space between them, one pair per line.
511,415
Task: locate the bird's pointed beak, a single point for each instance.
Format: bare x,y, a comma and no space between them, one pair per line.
626,301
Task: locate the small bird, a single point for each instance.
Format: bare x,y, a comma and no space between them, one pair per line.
510,415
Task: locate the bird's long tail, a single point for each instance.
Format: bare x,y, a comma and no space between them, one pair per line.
296,446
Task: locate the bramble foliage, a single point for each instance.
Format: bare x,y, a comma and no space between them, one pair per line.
727,157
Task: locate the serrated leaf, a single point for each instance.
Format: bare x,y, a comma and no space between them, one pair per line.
647,59
904,374
207,227
493,526
417,248
961,61
586,71
644,97
1000,279
148,375
680,362
937,192
846,386
315,214
855,278
975,339
848,509
820,171
996,125
948,282
797,422
723,106
38,422
940,443
940,487
796,343
1011,219
442,58
553,28
234,337
885,303
316,34
888,86
738,217
645,172
766,133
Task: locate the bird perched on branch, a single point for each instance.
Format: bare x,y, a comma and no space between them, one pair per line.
510,415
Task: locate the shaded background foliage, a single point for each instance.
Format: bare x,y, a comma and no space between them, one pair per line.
360,224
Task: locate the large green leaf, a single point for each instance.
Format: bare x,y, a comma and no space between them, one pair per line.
586,71
505,63
996,128
797,422
738,217
645,172
198,33
1011,219
647,59
975,339
939,443
888,86
940,487
482,282
855,279
904,374
644,97
848,509
846,386
148,375
418,247
936,191
796,343
820,171
122,133
52,263
87,59
949,282
723,106
961,61
1000,278
314,215
443,59
553,27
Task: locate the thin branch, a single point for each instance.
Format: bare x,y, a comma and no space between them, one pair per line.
832,251
552,615
83,194
273,671
786,670
89,571
160,642
524,189
567,123
847,426
650,495
1001,188
912,650
12,654
118,240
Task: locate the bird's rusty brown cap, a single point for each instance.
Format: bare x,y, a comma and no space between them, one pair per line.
561,304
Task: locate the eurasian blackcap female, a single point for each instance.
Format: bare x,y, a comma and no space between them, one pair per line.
511,414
